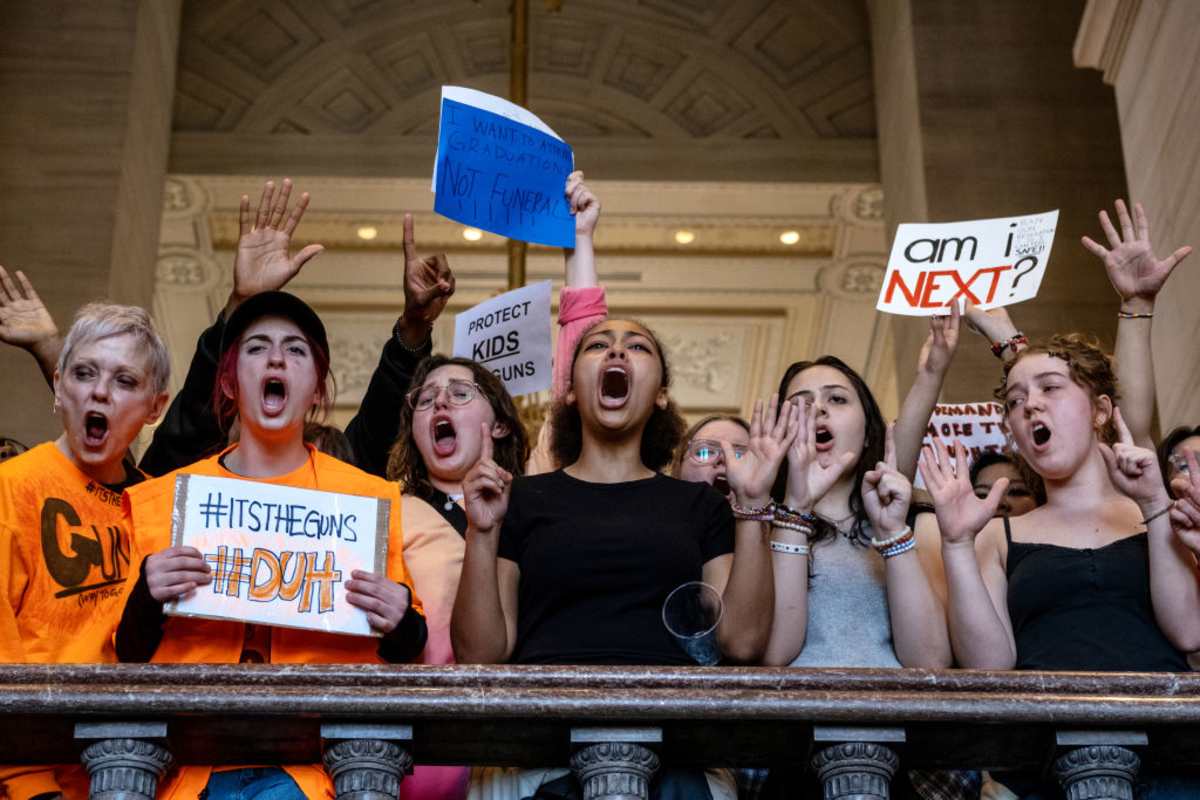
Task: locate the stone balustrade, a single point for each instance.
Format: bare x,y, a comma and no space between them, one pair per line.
614,726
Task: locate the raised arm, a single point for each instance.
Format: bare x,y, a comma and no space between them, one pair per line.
934,361
980,628
189,430
483,626
1174,588
1137,276
25,323
915,609
428,286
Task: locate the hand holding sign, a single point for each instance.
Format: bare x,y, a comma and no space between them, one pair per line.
172,573
384,601
262,263
939,348
988,262
1132,267
583,204
485,489
428,286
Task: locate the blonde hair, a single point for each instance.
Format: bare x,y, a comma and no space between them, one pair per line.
97,321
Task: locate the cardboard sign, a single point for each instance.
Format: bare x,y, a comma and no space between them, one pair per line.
502,169
979,426
279,555
510,335
989,262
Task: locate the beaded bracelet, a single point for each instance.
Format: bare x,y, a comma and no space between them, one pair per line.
1156,515
764,514
998,348
1135,315
881,543
898,548
790,549
788,525
785,514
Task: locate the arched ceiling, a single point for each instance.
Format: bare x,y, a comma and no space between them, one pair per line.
713,80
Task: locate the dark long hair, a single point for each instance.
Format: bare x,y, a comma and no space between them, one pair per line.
872,453
405,463
660,437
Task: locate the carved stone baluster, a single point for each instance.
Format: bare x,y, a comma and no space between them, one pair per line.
615,763
367,762
125,761
860,766
1101,769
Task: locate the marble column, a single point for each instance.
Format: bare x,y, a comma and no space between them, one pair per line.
125,761
615,764
367,762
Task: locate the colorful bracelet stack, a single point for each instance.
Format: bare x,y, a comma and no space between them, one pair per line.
792,520
763,514
998,348
893,546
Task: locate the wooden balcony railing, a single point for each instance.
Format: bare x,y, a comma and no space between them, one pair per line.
614,726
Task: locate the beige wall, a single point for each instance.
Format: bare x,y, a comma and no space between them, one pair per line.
86,91
1150,52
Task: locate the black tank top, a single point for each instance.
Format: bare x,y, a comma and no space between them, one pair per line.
1085,609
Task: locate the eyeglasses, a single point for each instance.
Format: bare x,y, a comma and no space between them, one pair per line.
706,451
1179,462
458,393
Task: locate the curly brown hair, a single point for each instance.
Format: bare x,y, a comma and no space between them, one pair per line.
662,433
1088,365
405,463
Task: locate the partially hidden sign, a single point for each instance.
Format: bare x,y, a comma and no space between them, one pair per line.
988,262
979,426
279,555
510,335
502,169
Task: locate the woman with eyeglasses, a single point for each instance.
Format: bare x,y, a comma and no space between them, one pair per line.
702,457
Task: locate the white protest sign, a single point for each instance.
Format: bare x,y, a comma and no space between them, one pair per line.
510,335
979,426
279,555
989,262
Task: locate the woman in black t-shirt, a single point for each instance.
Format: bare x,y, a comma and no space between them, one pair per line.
573,566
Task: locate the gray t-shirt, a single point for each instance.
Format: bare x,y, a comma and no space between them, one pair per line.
848,623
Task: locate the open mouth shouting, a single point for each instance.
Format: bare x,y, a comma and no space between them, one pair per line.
95,429
721,484
614,386
1041,434
274,396
445,438
824,439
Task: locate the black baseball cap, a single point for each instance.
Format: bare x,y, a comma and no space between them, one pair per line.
275,304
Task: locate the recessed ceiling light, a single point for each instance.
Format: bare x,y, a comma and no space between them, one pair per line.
789,237
367,232
472,234
685,237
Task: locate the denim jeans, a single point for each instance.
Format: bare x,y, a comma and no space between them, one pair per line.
257,783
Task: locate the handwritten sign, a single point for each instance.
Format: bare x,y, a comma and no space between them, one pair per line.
279,555
510,335
979,426
989,262
502,169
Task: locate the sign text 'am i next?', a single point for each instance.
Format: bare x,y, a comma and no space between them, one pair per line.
279,555
988,262
510,335
500,168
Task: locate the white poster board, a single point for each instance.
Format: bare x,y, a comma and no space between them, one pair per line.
979,426
989,262
510,335
279,555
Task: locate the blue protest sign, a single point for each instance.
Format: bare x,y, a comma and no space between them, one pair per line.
502,176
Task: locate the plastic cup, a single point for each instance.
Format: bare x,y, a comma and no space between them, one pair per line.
692,613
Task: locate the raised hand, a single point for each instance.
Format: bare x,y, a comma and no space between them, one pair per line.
886,492
263,263
583,204
24,320
939,347
384,600
485,489
1134,470
172,573
1135,272
960,514
428,285
809,480
751,476
1185,511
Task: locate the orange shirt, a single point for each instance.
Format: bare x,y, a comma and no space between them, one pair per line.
148,508
434,552
65,561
